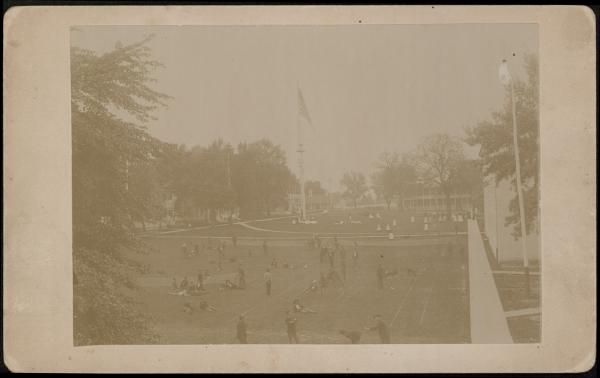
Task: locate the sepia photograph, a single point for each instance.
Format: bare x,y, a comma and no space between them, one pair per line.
358,184
299,189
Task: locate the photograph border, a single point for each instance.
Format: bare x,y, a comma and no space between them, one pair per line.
37,171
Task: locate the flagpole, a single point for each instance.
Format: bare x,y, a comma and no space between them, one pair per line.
301,169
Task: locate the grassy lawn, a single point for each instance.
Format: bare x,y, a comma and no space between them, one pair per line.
513,295
429,307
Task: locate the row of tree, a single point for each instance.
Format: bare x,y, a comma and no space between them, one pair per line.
439,159
438,162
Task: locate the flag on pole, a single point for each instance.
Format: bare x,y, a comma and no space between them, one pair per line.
302,109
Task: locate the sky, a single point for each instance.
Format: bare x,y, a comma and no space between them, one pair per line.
368,89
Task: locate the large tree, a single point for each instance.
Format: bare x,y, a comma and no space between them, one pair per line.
438,159
106,146
355,185
392,177
261,177
203,182
495,136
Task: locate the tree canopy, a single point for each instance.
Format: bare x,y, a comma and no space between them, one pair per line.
112,180
355,185
438,160
495,136
393,175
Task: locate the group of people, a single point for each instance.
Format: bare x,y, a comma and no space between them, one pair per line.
332,254
291,324
187,286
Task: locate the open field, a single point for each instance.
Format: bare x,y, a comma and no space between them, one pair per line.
429,307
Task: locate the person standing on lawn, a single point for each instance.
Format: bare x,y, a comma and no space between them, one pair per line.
290,322
382,329
241,330
267,277
241,277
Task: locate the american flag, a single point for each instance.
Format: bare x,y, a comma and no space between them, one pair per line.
302,110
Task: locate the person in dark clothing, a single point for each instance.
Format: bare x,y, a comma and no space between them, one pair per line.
382,329
184,284
267,278
265,247
203,305
230,285
290,322
323,253
188,308
323,283
331,255
298,307
241,277
334,276
241,330
353,336
317,241
200,283
380,276
342,252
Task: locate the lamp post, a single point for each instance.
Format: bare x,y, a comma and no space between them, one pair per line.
496,221
506,79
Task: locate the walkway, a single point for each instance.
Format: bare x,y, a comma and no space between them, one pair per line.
488,320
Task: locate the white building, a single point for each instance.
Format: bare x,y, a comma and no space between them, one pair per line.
495,203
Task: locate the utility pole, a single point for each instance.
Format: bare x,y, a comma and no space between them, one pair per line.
302,192
506,78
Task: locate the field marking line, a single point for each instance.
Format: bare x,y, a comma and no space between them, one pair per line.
243,224
429,295
341,235
412,285
217,225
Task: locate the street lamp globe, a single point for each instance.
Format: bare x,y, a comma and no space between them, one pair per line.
504,73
